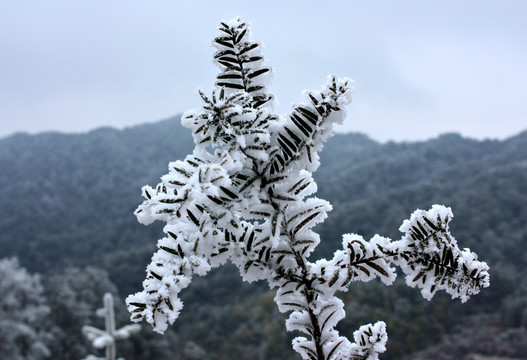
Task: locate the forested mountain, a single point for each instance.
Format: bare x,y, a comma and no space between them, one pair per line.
68,200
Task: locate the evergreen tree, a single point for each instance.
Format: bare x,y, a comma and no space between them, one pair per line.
243,195
73,297
108,337
22,309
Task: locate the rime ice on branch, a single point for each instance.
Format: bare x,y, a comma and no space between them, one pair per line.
244,195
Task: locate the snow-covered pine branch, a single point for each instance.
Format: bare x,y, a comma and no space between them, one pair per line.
245,195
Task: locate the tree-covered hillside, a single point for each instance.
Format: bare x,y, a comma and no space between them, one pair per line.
68,200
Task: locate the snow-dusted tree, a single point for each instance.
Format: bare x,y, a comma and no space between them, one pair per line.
22,309
73,297
107,338
243,195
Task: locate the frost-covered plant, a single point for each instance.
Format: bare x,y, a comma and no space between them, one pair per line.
107,338
244,195
22,311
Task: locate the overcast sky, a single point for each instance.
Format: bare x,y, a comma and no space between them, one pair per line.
421,68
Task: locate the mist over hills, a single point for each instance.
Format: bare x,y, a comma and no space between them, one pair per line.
68,200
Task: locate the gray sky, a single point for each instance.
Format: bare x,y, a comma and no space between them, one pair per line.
421,68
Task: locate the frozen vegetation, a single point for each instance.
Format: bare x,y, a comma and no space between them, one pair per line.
22,308
107,338
244,195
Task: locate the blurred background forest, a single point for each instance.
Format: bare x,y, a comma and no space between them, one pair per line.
66,213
